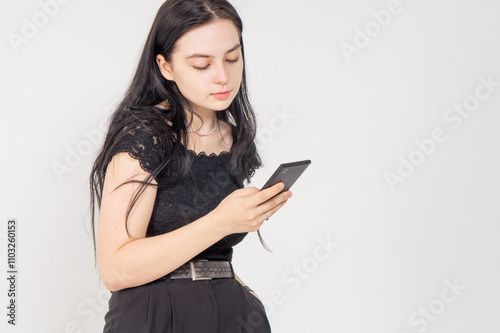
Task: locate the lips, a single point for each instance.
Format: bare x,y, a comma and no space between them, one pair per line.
222,94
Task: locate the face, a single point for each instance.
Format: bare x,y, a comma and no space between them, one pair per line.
207,65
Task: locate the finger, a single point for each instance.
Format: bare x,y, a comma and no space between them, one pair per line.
274,201
246,191
268,193
272,210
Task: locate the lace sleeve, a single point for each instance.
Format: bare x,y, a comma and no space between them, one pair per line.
142,144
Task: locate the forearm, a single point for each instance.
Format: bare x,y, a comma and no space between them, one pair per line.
146,259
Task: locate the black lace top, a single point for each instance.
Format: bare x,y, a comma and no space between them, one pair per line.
189,200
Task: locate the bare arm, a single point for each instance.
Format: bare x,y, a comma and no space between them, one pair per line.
128,261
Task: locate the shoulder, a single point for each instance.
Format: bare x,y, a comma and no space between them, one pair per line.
152,132
143,141
123,166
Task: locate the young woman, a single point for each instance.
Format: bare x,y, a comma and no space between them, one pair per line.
169,181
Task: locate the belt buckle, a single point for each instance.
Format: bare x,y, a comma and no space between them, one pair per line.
193,271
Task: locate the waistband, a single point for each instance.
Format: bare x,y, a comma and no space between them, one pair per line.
202,269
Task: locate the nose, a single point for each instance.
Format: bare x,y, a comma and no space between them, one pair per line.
221,75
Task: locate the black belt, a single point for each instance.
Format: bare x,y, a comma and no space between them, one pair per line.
202,269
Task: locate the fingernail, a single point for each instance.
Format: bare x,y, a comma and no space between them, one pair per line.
281,186
289,194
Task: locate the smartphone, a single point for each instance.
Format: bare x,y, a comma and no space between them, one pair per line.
288,173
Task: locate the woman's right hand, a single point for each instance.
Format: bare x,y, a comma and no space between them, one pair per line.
245,209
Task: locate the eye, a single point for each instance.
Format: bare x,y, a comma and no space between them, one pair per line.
233,60
201,68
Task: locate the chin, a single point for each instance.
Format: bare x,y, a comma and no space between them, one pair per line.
222,105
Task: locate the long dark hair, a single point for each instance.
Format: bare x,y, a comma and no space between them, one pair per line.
149,88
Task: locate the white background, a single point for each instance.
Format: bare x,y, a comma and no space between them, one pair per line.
356,117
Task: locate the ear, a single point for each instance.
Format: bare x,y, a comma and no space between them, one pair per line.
165,67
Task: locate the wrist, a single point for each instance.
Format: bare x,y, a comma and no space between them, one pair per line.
214,221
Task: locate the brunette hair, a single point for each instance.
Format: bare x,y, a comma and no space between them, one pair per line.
149,88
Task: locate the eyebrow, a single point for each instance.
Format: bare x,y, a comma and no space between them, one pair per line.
199,55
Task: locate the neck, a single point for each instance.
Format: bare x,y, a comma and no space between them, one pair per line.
208,121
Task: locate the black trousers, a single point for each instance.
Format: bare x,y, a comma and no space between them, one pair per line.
186,306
